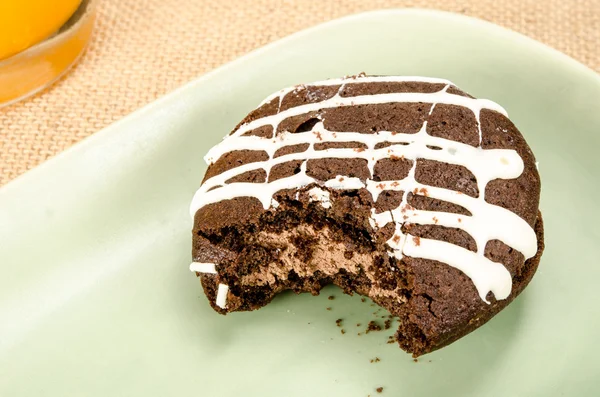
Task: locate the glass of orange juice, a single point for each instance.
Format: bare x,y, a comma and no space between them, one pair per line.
39,41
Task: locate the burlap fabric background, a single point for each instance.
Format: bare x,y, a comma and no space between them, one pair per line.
142,49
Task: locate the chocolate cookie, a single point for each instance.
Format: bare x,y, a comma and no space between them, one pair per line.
403,189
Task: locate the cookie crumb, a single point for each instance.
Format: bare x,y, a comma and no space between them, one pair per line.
358,324
417,240
363,300
331,297
328,308
373,326
379,389
375,360
415,360
387,324
338,322
343,331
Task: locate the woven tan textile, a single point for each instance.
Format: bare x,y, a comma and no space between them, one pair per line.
142,49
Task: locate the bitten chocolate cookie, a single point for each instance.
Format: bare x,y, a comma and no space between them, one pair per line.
403,189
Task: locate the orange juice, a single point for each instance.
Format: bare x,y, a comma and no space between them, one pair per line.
36,46
24,23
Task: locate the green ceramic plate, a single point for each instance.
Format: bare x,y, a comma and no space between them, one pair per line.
95,294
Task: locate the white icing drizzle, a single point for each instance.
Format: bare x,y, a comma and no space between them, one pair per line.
487,275
316,194
344,182
222,296
358,79
203,267
486,223
210,268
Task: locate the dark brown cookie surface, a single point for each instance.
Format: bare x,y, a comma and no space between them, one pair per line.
407,191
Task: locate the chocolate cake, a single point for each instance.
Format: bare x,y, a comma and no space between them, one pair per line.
403,189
